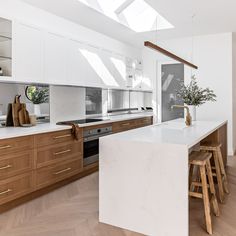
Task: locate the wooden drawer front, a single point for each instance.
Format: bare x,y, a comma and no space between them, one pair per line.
123,125
59,152
54,173
15,187
16,144
54,138
17,163
144,121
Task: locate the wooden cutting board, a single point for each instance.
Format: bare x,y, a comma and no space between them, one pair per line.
16,106
23,116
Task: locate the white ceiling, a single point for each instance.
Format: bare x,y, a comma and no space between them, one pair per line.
211,16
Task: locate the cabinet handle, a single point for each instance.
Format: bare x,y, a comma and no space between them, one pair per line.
62,136
62,152
5,167
125,124
5,147
6,191
62,171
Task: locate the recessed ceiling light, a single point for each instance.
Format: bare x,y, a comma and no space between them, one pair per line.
135,14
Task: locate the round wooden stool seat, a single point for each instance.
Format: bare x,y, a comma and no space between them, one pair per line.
199,158
210,146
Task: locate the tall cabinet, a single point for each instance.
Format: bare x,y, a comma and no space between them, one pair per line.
5,47
27,53
55,58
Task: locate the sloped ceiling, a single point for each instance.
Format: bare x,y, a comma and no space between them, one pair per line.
211,16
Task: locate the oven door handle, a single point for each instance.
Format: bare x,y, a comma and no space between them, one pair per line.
95,137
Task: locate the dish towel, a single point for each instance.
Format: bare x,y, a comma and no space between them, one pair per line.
75,129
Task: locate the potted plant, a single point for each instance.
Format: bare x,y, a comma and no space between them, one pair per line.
194,96
37,95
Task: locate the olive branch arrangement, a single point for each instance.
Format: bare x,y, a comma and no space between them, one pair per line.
193,95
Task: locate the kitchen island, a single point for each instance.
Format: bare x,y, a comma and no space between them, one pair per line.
143,177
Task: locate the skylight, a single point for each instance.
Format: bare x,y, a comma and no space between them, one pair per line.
135,14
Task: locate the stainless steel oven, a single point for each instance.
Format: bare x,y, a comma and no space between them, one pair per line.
91,143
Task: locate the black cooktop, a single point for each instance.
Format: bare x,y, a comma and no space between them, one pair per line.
84,121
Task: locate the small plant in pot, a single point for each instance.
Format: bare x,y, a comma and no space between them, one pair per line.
194,96
37,95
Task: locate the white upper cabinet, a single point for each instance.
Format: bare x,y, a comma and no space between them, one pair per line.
39,56
112,69
55,59
83,65
27,53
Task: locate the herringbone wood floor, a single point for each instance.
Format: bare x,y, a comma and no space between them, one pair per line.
73,211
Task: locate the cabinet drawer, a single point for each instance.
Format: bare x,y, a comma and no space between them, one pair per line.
144,121
15,187
54,173
16,163
54,138
123,125
59,152
16,144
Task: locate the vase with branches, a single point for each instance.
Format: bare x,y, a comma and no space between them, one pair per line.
194,96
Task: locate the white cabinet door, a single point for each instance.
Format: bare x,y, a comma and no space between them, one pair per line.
138,80
27,53
116,70
55,59
84,65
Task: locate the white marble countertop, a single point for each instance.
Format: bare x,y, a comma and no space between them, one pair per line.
12,132
171,132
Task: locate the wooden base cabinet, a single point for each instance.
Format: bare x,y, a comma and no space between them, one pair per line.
33,165
16,163
131,124
60,152
15,187
51,174
30,163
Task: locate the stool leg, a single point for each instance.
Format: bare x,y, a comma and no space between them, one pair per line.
198,179
190,175
212,189
218,176
206,199
222,168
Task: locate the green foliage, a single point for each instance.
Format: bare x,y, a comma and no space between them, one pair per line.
37,95
192,94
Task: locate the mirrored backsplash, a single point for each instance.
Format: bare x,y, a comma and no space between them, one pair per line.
112,101
60,103
35,95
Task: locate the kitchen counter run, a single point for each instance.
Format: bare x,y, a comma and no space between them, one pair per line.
12,132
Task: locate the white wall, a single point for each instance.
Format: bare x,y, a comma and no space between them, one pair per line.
150,71
66,103
213,55
233,91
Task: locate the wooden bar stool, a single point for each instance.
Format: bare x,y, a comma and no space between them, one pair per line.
218,169
202,161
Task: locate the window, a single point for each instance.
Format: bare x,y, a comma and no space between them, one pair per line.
135,14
